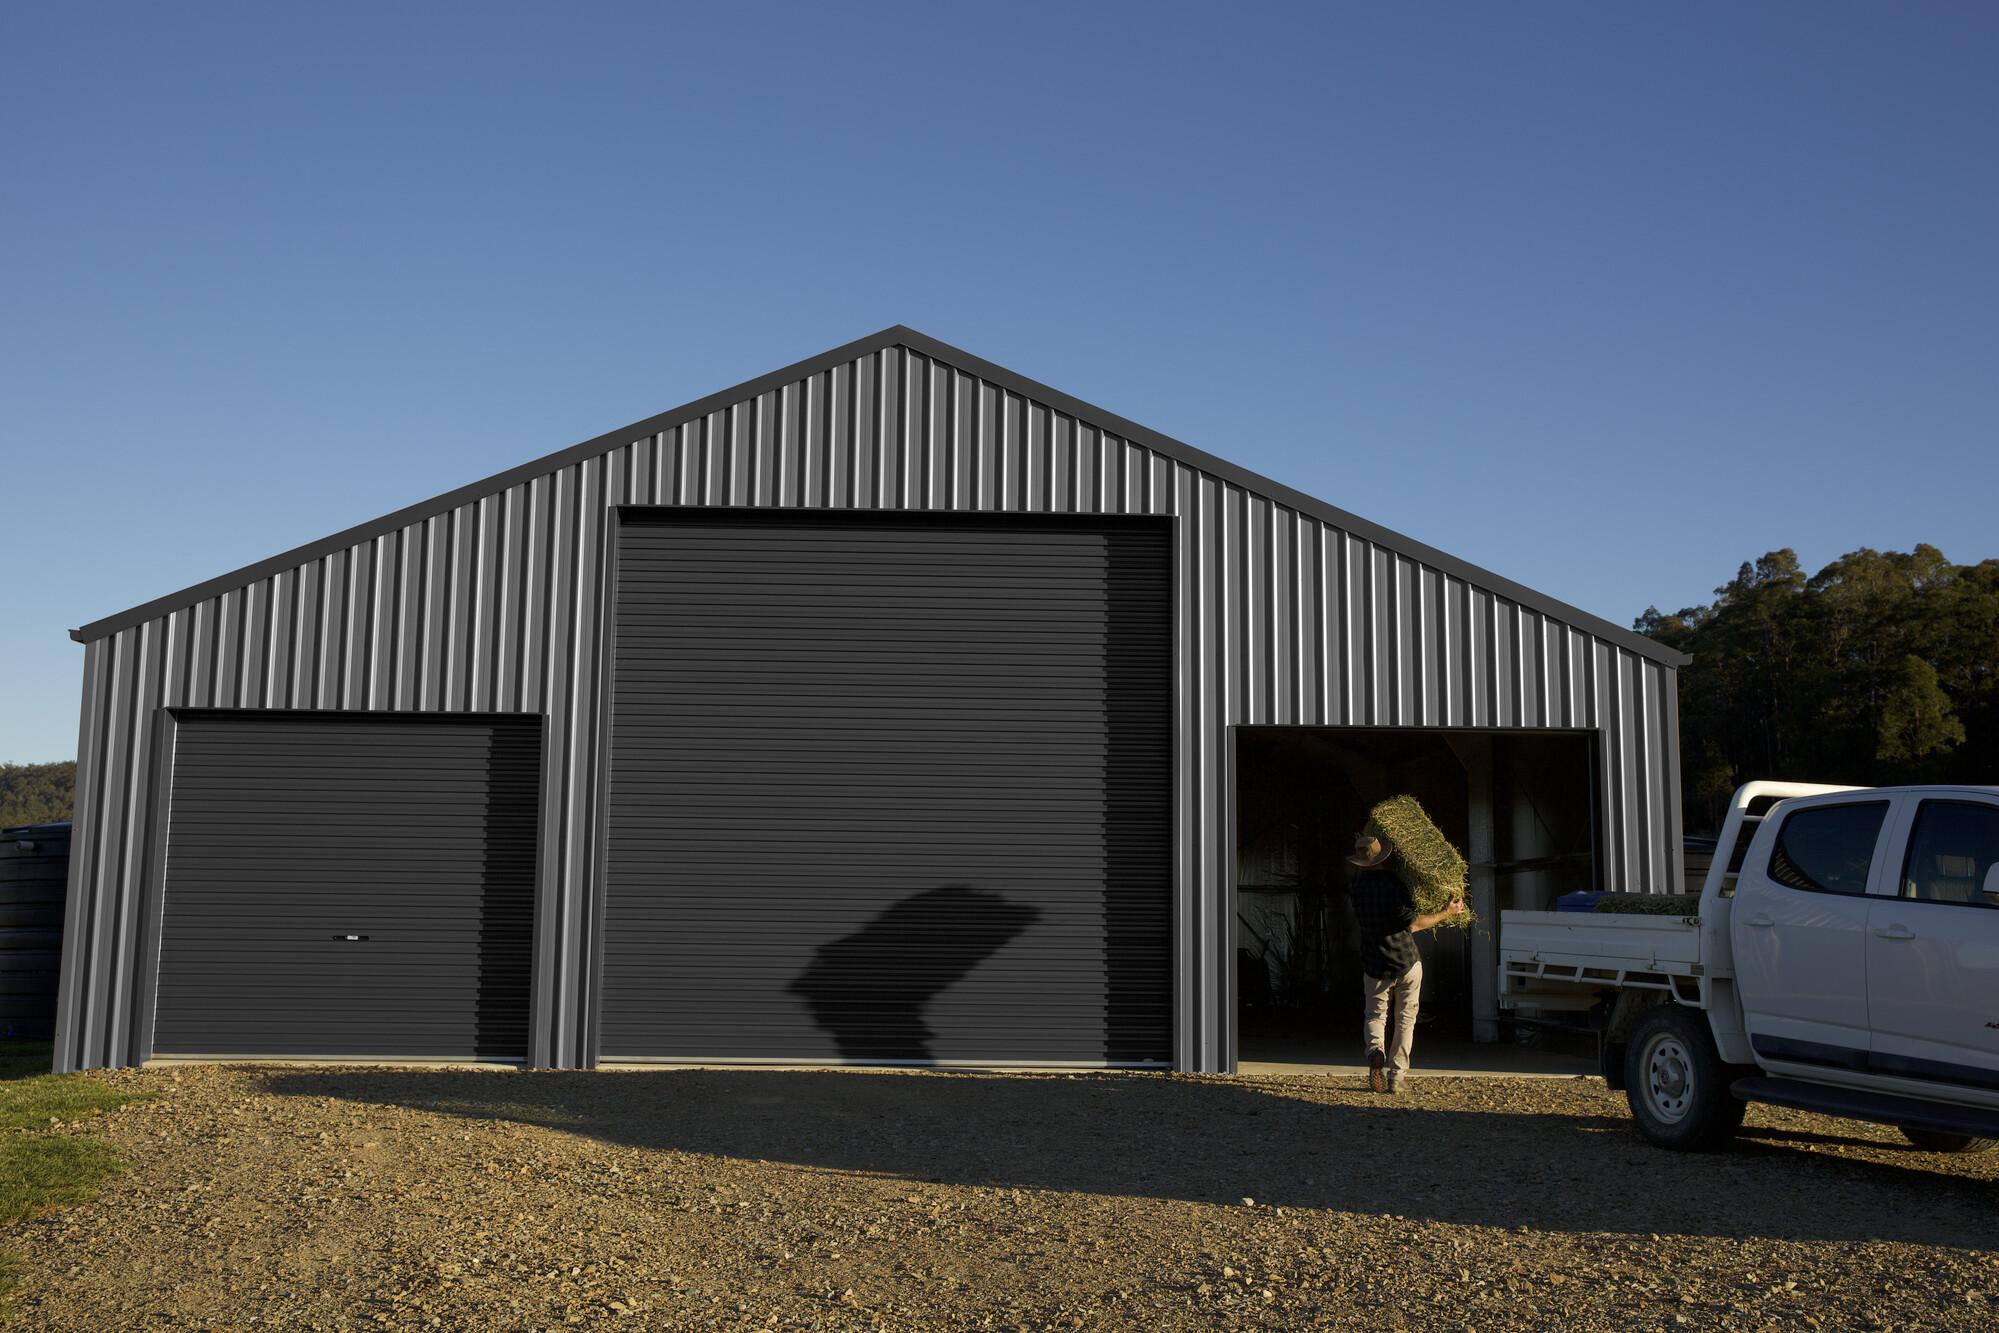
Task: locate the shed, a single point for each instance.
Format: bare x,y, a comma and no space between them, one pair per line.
891,707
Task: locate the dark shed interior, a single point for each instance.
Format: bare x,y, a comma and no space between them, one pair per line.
1520,806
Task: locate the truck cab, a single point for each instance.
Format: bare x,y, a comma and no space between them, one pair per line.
1843,957
1865,934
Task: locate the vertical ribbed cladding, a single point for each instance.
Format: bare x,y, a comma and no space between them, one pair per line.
494,603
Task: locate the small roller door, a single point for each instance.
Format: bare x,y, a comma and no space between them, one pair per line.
890,788
339,884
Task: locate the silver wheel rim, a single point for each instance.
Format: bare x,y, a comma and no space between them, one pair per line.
1669,1078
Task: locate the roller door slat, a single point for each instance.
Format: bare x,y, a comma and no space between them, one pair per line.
890,788
287,834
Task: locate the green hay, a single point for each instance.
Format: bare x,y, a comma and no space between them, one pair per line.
1649,904
1424,858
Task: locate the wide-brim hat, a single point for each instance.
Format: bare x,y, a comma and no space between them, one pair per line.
1368,851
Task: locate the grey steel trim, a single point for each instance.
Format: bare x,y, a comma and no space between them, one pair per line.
418,1061
590,1047
541,976
1598,853
897,336
152,895
1676,848
1231,1052
82,897
379,714
1186,997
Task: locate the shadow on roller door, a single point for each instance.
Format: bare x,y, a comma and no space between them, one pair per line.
343,884
890,788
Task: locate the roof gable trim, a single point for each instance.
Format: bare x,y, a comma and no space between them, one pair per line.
895,336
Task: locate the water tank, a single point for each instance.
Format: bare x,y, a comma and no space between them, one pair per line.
34,877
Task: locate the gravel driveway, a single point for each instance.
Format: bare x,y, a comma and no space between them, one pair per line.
407,1198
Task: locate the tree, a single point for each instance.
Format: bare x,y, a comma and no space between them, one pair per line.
1916,718
1882,667
36,793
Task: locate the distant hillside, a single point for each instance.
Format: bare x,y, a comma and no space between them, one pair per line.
36,793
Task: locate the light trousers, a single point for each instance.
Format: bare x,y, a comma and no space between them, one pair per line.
1393,1002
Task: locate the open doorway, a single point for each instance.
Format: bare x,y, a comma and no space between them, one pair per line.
1520,806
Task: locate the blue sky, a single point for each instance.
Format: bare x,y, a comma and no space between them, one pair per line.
1606,298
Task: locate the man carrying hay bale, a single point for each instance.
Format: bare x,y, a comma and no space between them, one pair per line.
1392,982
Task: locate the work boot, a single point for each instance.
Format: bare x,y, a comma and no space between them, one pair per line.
1377,1072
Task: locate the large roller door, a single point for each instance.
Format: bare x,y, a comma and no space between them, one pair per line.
343,884
890,788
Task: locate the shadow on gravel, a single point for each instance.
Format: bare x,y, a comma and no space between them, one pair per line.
1212,1141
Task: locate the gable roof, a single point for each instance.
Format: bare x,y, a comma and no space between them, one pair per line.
897,335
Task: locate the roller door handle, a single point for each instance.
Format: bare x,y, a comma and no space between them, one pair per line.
352,939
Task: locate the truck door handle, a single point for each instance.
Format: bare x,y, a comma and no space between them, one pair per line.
1895,933
1760,919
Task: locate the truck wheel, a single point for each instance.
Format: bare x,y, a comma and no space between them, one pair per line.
1677,1084
1934,1140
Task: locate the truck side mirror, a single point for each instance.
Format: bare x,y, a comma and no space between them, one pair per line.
1991,889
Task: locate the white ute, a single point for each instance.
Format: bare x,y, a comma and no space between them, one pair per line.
1844,958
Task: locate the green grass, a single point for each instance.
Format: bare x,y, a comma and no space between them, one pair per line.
33,1103
38,1169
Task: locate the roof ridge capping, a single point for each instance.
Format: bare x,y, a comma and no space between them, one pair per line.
896,335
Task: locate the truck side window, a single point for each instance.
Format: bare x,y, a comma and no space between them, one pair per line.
1954,844
1828,848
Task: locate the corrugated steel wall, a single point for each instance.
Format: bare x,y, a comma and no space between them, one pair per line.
494,604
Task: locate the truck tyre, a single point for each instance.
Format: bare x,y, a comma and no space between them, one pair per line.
1935,1140
1677,1084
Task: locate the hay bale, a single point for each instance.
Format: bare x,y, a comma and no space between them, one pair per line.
1424,858
1649,904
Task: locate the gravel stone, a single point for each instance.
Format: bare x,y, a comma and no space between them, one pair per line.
399,1198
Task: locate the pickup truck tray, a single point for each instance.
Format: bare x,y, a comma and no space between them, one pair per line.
1630,938
1544,954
